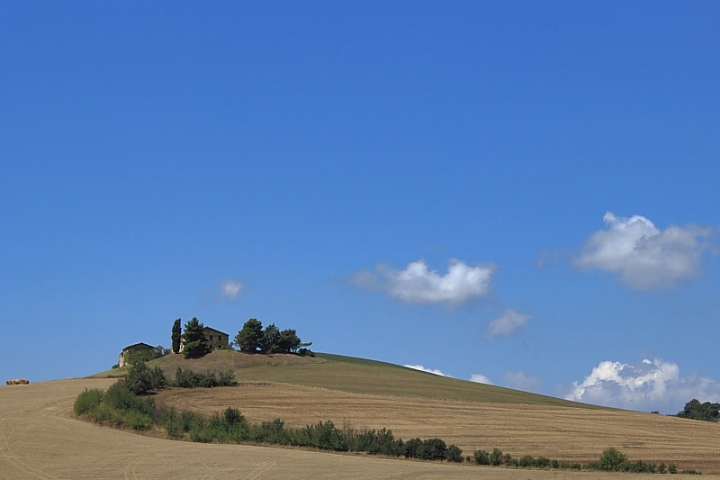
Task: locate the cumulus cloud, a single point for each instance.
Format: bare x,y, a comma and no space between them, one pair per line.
520,381
434,371
508,325
643,256
417,284
648,386
480,378
230,289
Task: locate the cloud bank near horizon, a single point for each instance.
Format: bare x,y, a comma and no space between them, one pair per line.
643,256
480,378
651,385
417,284
434,371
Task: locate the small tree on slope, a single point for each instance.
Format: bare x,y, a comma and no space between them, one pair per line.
195,343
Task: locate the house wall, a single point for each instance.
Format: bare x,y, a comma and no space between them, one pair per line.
216,340
122,360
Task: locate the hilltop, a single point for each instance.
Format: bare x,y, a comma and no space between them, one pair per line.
347,374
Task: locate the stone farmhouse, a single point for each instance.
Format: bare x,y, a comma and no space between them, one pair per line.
216,340
135,349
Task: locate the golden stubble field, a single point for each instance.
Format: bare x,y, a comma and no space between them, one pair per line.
572,434
41,439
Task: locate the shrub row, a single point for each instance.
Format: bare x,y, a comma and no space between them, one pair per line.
120,406
141,379
232,427
497,458
190,379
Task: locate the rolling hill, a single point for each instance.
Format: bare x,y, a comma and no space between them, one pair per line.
369,394
41,438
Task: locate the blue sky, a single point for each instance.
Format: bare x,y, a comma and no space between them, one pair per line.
524,193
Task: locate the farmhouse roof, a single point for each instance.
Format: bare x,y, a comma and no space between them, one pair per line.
215,330
134,345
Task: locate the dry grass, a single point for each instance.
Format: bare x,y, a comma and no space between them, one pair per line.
353,375
40,439
571,434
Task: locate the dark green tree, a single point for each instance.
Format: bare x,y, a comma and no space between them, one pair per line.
250,338
176,336
701,411
270,339
288,341
194,341
454,454
141,379
432,449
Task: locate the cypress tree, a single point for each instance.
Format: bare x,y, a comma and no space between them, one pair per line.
176,335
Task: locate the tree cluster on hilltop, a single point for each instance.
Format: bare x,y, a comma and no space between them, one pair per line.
695,410
254,339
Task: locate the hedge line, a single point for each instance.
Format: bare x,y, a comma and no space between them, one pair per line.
120,406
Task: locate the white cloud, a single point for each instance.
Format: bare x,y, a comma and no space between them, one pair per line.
508,325
419,285
647,386
643,256
230,289
480,378
520,381
434,371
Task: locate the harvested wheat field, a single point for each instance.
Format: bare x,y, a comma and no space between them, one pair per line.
40,437
572,434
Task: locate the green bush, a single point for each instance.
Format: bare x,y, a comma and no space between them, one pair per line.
230,427
612,459
190,379
496,457
190,421
120,397
481,457
691,472
454,454
411,447
380,442
271,432
137,420
639,467
325,437
432,449
227,379
88,401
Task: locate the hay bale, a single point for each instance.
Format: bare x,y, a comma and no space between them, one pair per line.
17,381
